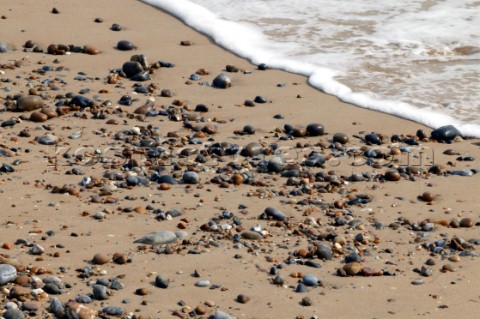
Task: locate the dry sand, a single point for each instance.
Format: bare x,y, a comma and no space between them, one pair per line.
31,208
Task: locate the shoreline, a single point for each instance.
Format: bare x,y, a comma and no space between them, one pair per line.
96,191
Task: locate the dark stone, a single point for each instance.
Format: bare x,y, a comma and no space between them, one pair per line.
124,45
445,133
132,68
315,129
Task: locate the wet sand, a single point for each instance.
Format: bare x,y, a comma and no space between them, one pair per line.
315,202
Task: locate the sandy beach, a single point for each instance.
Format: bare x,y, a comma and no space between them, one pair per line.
387,230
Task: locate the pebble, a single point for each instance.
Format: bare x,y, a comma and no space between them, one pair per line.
310,280
445,133
158,238
275,214
100,292
124,45
341,138
13,314
29,103
466,222
243,299
190,177
315,129
306,301
202,283
222,81
7,273
3,47
116,27
323,252
352,268
160,282
132,68
251,235
113,311
100,259
222,315
417,282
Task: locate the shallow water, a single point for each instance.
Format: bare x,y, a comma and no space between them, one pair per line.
415,59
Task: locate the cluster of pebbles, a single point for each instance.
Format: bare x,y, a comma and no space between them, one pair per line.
145,156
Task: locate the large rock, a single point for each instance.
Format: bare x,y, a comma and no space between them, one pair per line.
158,238
29,103
7,273
445,133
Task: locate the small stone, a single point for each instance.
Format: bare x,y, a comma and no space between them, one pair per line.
323,252
38,117
306,301
454,258
100,259
47,139
202,283
100,292
251,235
427,197
113,311
466,222
124,45
341,138
222,315
191,177
160,282
417,282
275,214
243,299
79,311
315,129
310,280
222,81
37,250
353,268
142,291
392,175
116,27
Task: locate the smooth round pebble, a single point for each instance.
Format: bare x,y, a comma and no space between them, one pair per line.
7,273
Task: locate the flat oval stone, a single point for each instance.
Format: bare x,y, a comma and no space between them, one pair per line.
158,238
124,45
29,103
222,81
38,117
276,214
222,315
251,235
113,311
167,179
47,139
202,283
7,273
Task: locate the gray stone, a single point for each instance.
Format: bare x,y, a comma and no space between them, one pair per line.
113,311
191,178
158,238
160,282
324,252
13,314
47,139
274,213
310,280
3,47
202,283
7,273
223,315
100,292
445,133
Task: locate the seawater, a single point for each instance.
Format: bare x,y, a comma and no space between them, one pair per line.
416,59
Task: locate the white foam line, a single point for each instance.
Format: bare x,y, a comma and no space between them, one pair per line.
251,44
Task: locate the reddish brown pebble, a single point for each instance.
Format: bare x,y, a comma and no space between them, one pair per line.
88,49
38,117
427,197
164,186
7,246
185,43
142,291
392,176
466,222
100,259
